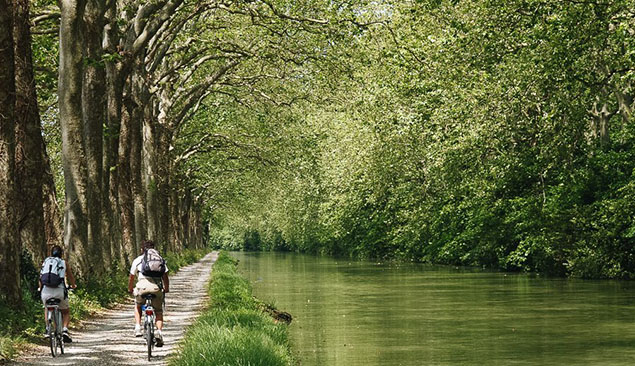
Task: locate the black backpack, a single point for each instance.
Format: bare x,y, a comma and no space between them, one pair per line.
152,264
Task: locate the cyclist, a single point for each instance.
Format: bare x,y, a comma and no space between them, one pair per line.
148,285
58,267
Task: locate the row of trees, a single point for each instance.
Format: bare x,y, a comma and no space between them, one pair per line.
130,93
481,132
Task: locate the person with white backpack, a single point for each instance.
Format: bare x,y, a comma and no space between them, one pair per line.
53,274
152,271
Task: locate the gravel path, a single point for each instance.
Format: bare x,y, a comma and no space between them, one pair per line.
109,340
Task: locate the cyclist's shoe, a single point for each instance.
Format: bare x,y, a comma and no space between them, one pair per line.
67,337
137,330
158,338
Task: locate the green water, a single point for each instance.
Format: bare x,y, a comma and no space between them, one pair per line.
364,313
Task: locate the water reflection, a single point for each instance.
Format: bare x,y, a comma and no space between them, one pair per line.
365,313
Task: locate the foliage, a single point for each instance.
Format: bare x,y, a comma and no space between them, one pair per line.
177,260
480,132
233,331
495,133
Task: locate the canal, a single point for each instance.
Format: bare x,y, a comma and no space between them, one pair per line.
353,313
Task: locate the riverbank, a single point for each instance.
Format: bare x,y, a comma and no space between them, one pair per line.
234,330
22,329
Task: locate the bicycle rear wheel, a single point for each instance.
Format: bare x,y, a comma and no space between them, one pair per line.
52,326
149,337
60,329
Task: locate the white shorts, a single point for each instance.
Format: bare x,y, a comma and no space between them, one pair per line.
55,293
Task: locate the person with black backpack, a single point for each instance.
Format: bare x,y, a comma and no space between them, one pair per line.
52,275
152,271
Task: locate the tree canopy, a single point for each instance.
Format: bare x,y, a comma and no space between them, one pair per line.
479,132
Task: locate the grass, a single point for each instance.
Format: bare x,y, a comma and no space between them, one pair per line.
19,328
233,330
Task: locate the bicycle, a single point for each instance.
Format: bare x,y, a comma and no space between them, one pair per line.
54,326
148,323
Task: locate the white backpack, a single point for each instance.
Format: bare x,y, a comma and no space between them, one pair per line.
52,272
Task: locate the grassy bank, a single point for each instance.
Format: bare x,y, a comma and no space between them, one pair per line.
233,330
19,327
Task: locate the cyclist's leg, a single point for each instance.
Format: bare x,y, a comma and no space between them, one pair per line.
159,320
157,304
137,318
65,309
44,297
139,301
137,314
66,317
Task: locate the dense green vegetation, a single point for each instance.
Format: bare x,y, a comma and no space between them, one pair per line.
17,327
495,133
233,330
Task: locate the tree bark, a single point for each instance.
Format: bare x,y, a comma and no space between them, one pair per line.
9,243
150,166
29,142
175,240
125,199
94,117
142,99
73,151
53,220
163,186
114,95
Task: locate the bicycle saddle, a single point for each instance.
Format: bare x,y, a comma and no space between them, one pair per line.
149,296
53,301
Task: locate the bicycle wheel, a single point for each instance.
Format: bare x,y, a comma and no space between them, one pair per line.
149,336
60,328
52,327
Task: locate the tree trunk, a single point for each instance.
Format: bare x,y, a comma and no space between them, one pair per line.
197,228
9,243
141,232
73,152
163,188
186,217
176,241
94,117
53,221
29,141
150,166
124,176
156,169
114,94
142,98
